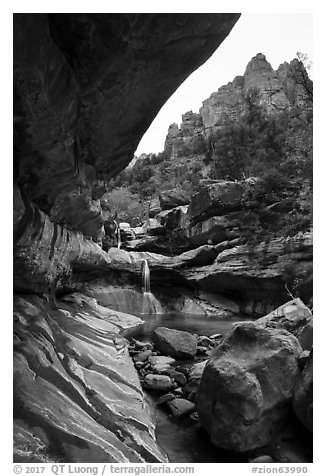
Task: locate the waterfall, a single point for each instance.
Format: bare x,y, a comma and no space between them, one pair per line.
119,238
146,277
150,305
118,232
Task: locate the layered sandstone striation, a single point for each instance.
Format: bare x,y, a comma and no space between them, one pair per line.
73,379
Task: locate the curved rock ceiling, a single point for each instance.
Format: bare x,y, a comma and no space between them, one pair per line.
87,87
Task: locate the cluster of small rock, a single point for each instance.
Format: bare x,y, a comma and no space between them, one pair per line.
157,365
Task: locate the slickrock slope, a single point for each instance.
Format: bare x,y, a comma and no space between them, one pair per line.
73,381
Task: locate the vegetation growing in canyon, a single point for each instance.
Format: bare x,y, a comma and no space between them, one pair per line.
277,149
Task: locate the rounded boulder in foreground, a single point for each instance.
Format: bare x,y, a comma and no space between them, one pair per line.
247,385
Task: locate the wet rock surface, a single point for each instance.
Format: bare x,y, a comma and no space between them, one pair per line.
74,359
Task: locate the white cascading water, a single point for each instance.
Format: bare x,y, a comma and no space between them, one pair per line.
118,232
151,305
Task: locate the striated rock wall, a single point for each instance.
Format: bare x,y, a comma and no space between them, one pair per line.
73,380
46,254
256,276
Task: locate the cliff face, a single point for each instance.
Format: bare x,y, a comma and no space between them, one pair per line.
274,90
86,87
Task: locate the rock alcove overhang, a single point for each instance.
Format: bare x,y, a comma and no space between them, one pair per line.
88,86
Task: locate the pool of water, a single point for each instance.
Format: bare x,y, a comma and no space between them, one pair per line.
184,441
193,323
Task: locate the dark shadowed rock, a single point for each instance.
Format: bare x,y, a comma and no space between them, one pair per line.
92,87
305,336
214,199
303,359
180,407
146,243
165,398
177,344
303,395
247,385
215,230
179,377
153,227
194,377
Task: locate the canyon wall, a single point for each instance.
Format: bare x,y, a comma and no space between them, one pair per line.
274,90
86,88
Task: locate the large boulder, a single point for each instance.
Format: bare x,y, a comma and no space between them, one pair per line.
177,344
246,388
303,395
215,198
172,198
292,316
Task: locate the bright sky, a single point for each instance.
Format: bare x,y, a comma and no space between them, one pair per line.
279,36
